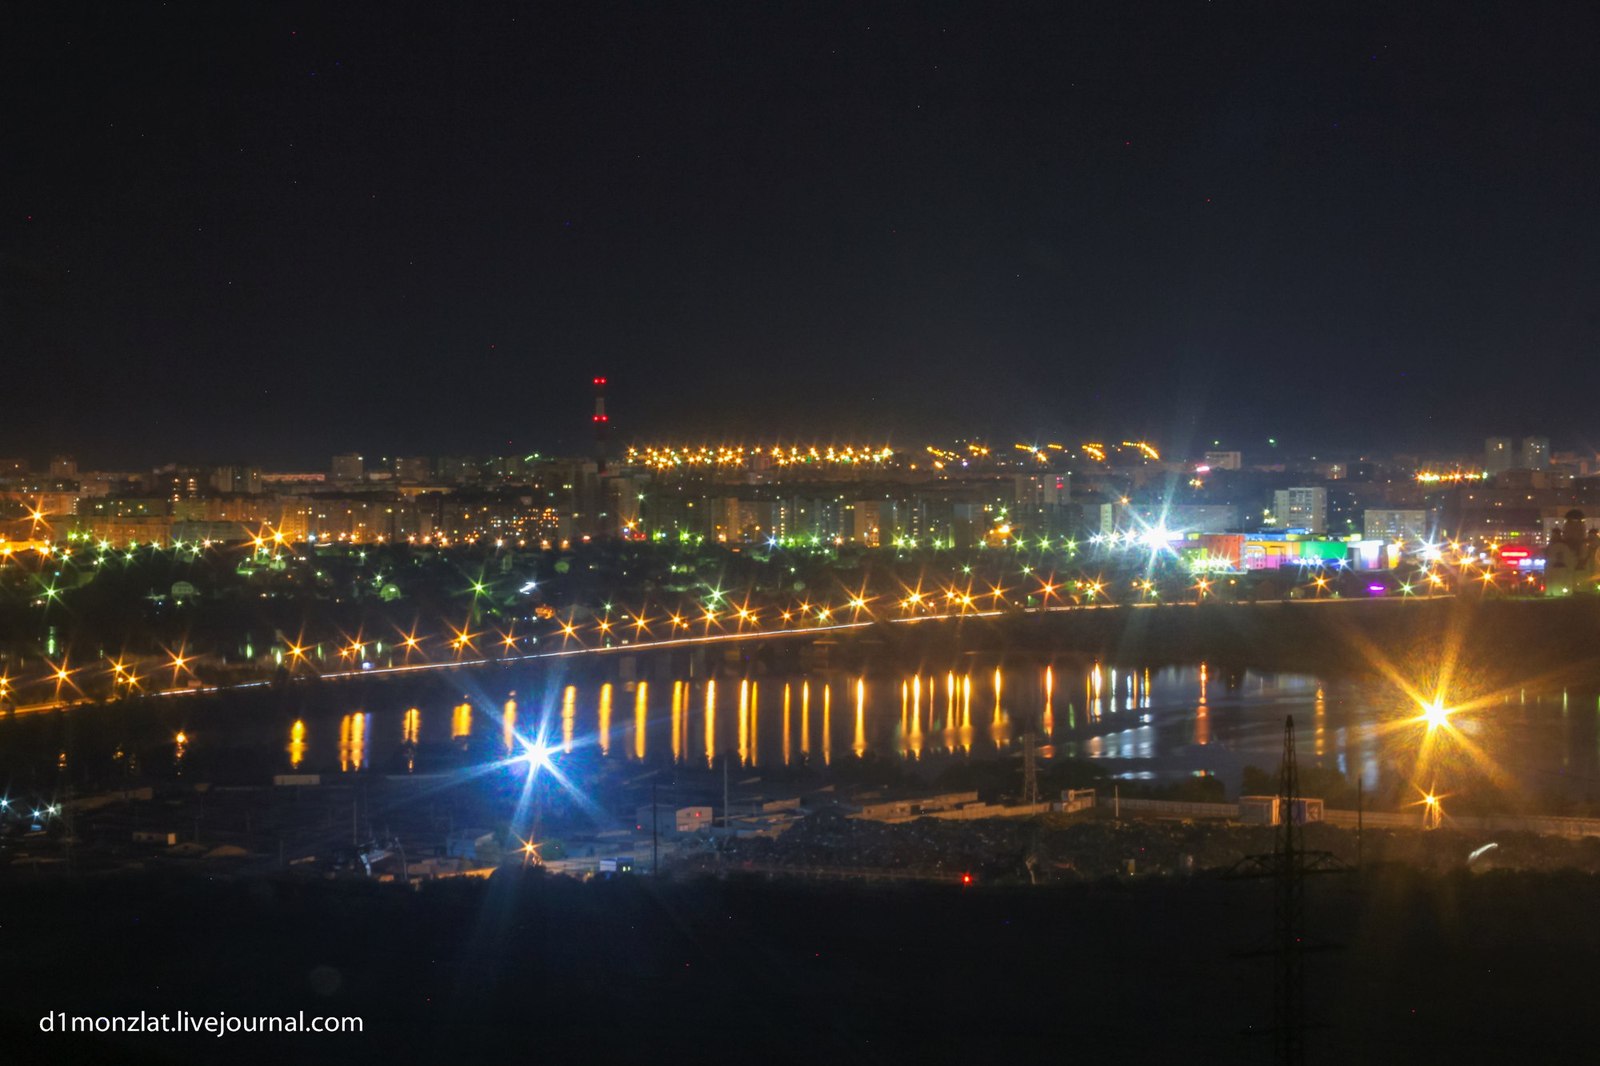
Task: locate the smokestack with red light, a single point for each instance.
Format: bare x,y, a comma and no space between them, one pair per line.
600,422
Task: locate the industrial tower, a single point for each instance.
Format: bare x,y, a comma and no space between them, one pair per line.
600,426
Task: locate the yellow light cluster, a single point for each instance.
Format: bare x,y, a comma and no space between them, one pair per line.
665,457
1430,478
662,458
1041,453
847,454
1098,451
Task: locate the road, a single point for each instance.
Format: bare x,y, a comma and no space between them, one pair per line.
707,639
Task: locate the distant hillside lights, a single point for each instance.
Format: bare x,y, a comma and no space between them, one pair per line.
668,457
1429,477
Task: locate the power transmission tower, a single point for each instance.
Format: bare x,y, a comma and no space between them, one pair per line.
1288,866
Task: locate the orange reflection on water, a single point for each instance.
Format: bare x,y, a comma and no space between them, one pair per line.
965,733
353,741
680,729
805,718
744,723
297,744
1320,720
605,719
461,721
508,726
569,715
1049,702
859,745
641,718
711,721
786,758
410,731
827,724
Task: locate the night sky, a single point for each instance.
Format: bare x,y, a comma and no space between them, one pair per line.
246,232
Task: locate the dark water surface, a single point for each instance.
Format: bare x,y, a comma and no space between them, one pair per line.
1139,723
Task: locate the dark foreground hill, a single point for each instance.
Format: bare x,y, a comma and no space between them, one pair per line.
1447,967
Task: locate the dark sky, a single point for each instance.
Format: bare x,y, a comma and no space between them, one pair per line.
242,231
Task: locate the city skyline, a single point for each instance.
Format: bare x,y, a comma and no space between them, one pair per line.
1486,455
287,233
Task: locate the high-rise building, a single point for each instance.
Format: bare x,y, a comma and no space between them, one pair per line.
413,468
236,479
1390,523
349,467
1535,453
1301,507
1498,455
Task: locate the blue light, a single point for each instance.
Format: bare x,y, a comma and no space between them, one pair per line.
538,755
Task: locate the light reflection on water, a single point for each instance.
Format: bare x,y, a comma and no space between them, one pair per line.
569,716
641,711
297,742
1169,721
353,741
1171,714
